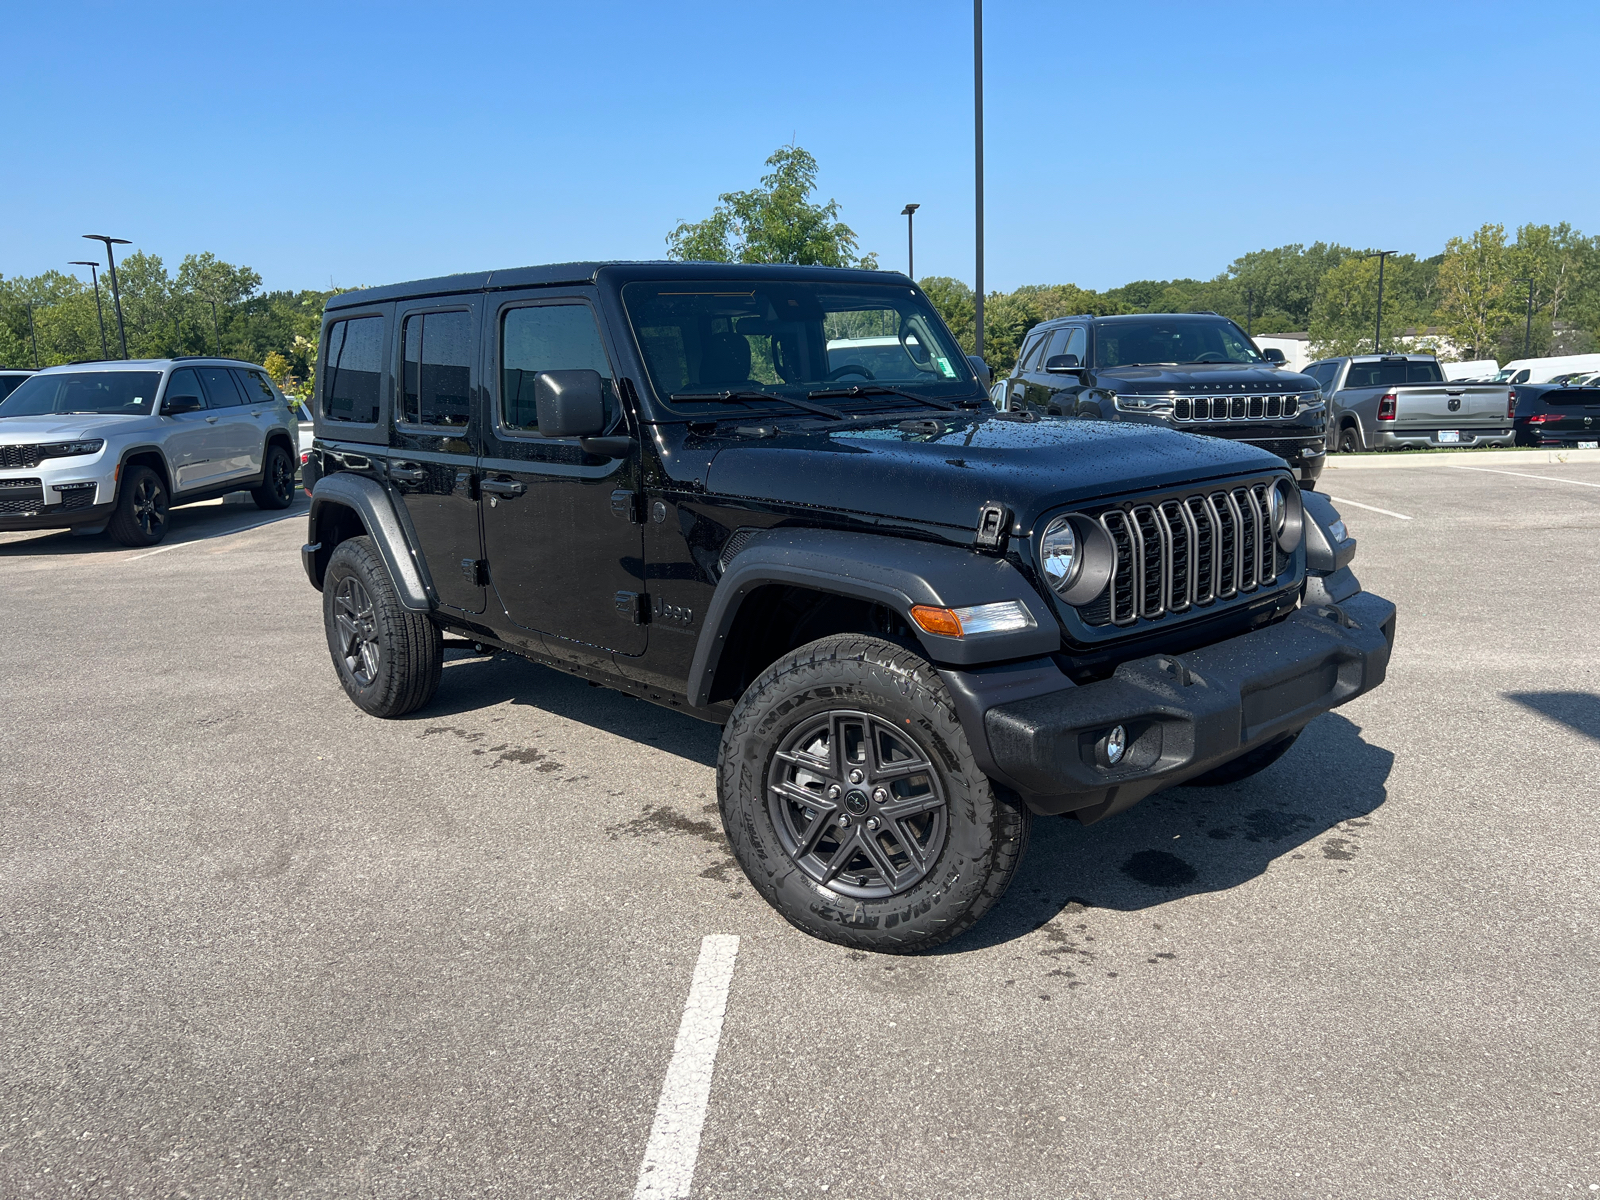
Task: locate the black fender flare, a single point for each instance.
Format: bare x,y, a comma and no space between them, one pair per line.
1088,410
895,572
368,499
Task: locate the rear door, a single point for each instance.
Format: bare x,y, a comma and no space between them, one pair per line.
560,525
263,405
433,443
234,438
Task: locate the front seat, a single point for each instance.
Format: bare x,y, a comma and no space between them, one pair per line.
725,361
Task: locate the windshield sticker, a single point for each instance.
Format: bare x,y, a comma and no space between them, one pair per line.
944,366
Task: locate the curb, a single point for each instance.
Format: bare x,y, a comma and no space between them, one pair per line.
1465,458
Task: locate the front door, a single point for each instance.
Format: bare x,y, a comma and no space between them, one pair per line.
433,445
189,438
560,532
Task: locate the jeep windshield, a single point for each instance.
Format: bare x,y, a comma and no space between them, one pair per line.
1167,341
130,393
862,346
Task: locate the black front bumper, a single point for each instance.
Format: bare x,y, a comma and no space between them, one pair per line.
56,517
1034,731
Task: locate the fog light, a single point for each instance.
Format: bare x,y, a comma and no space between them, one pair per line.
1116,745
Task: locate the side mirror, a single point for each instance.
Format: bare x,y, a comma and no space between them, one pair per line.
569,403
1273,355
1062,364
980,369
173,405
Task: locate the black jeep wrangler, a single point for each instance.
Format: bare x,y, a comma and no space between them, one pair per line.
779,499
1197,372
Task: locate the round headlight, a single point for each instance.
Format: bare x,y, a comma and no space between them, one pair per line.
1058,551
1284,513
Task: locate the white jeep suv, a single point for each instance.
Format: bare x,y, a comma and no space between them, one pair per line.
112,445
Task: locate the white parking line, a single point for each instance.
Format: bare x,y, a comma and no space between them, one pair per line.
211,537
1525,475
1370,508
669,1157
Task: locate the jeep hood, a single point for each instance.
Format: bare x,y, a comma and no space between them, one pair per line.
944,477
65,427
1202,377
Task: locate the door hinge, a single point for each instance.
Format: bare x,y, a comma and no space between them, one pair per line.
628,505
994,526
634,607
476,571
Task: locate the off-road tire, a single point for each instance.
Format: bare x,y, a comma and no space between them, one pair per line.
277,480
897,693
388,658
141,517
1247,764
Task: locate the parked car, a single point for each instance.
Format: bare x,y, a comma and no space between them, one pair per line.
1543,370
308,426
9,381
112,445
1558,414
1403,401
917,620
1197,372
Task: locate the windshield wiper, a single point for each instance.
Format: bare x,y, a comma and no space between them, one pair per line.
879,389
747,395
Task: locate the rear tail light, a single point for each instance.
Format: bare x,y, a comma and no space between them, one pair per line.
1541,418
1386,405
305,457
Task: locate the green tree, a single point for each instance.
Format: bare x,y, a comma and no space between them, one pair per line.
1344,317
1476,303
956,303
773,223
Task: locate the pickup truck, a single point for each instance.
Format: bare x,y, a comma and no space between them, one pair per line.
1404,402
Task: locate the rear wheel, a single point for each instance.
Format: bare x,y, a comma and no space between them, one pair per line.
389,659
141,517
854,805
277,480
1350,440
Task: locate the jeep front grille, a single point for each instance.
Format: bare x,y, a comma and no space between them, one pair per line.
1238,408
20,497
16,457
1186,552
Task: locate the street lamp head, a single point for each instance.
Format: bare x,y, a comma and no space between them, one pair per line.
110,241
82,262
909,209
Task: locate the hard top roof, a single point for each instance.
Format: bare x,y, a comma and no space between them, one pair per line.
125,364
620,272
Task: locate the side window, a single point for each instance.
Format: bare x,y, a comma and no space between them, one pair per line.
547,337
436,379
352,368
1072,340
255,387
1030,351
184,382
220,389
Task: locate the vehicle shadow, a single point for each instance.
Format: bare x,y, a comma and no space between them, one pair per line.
1189,840
189,523
473,682
1578,711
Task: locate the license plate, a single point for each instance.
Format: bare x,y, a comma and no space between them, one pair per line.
1449,435
1589,445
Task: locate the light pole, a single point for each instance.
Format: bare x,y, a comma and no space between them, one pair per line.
1377,332
1250,313
977,135
1527,330
94,274
908,212
116,294
34,336
216,335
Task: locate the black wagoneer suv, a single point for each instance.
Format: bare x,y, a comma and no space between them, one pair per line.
1197,372
779,499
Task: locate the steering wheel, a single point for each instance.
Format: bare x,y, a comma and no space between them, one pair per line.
1210,356
847,369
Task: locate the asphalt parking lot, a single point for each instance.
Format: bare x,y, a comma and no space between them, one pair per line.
258,943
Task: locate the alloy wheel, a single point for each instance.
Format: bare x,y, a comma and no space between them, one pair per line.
149,511
282,478
357,623
857,804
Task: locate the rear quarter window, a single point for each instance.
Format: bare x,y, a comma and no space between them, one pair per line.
352,370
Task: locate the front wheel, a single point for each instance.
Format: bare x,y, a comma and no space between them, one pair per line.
140,518
854,805
389,659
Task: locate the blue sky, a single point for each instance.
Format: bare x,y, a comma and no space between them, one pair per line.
367,143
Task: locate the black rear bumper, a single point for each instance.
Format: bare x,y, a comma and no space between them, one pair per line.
1034,731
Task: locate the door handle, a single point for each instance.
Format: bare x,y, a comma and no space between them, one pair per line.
506,488
211,420
406,473
255,412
